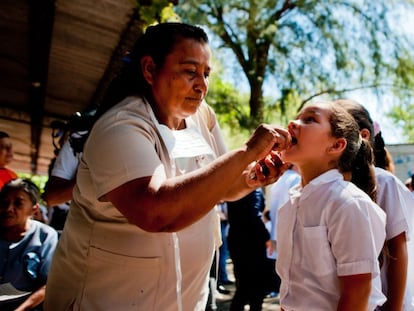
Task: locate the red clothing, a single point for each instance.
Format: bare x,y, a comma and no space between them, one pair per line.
6,175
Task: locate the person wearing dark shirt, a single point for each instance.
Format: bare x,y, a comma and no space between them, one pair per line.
247,239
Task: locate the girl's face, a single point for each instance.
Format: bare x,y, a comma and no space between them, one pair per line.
311,136
180,85
16,208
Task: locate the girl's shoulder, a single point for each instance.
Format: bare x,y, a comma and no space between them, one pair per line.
44,231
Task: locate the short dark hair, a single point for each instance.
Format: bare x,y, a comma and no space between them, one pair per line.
25,185
158,41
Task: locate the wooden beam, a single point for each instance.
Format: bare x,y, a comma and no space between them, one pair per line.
41,18
133,30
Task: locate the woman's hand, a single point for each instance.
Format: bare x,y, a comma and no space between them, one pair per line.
267,140
266,171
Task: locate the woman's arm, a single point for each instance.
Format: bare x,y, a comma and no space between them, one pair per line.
355,291
58,190
157,204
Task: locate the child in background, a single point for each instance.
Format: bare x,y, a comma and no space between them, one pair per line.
330,233
6,156
397,270
26,245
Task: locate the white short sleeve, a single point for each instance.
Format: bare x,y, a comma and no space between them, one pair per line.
66,163
119,150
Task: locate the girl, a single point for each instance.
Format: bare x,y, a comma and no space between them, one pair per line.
397,202
330,233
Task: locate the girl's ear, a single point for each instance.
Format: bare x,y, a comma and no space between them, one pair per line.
338,146
148,69
366,134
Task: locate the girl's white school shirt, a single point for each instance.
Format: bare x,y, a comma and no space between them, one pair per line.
398,203
329,228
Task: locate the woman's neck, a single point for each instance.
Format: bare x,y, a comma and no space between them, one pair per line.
163,117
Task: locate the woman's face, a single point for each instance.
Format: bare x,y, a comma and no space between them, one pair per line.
311,133
180,85
15,208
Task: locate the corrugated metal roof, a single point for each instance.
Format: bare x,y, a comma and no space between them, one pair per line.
54,57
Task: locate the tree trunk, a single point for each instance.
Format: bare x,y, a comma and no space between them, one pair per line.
256,101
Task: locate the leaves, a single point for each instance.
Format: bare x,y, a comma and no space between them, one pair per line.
309,47
152,11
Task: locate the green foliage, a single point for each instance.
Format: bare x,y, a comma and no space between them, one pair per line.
309,48
283,110
154,11
401,112
402,117
231,107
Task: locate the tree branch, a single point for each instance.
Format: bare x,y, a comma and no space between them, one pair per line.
334,91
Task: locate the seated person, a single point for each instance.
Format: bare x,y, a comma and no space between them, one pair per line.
26,245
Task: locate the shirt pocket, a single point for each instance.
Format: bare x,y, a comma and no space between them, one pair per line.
129,283
317,255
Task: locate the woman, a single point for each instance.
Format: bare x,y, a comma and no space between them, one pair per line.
330,233
142,230
26,245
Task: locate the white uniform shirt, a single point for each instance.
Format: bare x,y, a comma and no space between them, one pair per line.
66,162
398,203
102,260
329,228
